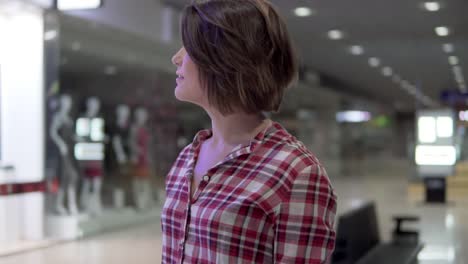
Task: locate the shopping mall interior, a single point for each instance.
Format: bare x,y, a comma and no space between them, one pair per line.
90,126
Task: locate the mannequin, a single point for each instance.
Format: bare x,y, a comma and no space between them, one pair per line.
140,158
90,129
63,135
120,153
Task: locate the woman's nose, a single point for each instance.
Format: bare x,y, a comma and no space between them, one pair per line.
177,58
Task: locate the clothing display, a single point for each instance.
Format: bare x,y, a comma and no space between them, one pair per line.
117,163
67,173
268,202
91,152
92,169
90,130
112,159
63,136
142,165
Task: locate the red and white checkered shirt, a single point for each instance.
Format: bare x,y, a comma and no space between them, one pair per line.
268,202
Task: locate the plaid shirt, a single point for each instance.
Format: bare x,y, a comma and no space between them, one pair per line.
268,202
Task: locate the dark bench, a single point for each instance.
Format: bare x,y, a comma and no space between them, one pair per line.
358,240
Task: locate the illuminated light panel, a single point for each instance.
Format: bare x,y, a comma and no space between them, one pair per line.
427,129
353,116
89,151
83,127
78,4
463,115
97,129
436,155
444,127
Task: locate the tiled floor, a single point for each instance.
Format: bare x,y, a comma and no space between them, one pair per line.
140,245
444,228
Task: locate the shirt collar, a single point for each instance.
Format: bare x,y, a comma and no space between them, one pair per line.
273,128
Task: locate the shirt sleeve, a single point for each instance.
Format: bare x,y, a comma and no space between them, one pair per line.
305,220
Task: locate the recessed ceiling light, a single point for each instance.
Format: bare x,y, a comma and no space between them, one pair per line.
419,96
463,87
448,48
374,62
396,78
442,31
405,84
303,11
356,50
76,46
432,6
412,89
335,34
457,71
427,101
387,71
110,70
131,57
453,60
50,35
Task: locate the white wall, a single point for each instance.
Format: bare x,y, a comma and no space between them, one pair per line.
22,94
22,107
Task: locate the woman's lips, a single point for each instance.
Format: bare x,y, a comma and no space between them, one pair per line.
179,79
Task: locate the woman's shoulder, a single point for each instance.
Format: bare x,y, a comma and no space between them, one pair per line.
289,149
184,153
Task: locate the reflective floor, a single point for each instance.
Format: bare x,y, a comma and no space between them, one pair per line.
444,228
139,245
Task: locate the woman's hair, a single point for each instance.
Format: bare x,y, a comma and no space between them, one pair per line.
243,53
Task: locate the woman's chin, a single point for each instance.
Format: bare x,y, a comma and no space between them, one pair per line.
178,94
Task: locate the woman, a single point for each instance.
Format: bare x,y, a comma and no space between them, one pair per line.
245,191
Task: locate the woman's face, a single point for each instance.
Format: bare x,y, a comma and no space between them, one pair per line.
188,83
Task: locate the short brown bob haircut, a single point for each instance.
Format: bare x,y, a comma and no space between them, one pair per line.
243,53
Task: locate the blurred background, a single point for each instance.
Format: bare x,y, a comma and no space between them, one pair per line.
89,125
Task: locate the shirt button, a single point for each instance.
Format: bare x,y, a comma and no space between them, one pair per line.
206,178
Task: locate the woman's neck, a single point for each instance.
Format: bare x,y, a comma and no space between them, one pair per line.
235,129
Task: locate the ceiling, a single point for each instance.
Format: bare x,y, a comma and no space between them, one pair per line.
399,33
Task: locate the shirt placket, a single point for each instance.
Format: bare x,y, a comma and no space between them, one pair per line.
188,180
238,151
